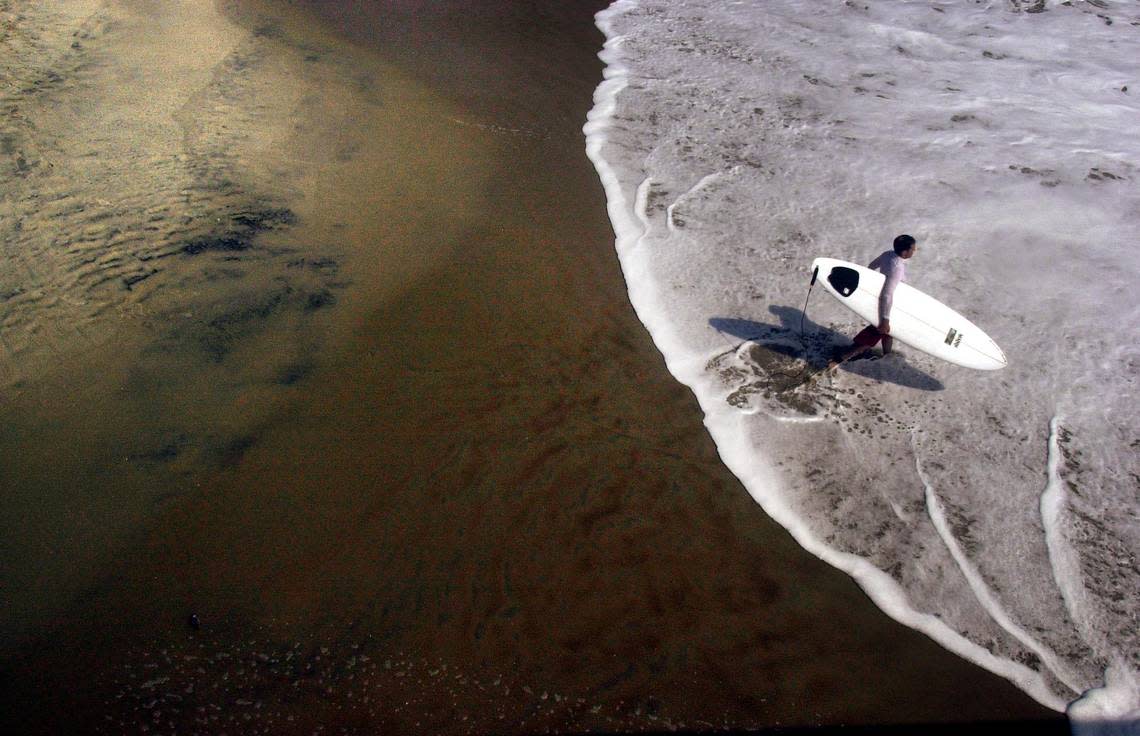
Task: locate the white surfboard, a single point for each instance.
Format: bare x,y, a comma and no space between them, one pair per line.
918,320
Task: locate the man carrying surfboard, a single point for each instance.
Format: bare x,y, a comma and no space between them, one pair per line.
891,264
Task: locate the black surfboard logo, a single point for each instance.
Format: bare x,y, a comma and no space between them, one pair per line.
844,280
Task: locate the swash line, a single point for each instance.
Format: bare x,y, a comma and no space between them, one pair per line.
974,579
705,181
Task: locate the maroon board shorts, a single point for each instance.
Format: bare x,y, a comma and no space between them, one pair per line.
869,337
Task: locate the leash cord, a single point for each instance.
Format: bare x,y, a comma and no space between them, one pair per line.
803,312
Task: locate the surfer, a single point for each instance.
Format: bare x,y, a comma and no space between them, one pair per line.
891,264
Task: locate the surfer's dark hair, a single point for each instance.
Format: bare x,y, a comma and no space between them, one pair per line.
903,243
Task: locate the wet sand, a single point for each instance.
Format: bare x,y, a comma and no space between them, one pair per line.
377,444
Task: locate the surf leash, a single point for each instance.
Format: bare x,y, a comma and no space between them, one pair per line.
803,312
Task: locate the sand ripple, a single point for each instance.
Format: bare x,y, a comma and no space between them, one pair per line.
130,188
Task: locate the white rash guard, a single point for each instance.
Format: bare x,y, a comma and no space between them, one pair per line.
891,265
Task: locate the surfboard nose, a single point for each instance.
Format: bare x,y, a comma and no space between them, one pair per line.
1001,356
993,356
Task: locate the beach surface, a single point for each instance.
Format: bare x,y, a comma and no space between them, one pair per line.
323,403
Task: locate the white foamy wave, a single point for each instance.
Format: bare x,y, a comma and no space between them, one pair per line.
736,142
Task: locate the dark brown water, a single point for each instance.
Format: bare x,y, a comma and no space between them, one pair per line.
379,444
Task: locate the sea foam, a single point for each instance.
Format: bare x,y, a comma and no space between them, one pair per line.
736,142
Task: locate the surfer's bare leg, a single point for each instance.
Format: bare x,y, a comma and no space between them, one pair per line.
864,341
888,344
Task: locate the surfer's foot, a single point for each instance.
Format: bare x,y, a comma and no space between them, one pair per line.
831,366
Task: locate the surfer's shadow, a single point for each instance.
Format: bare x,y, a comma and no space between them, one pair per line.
816,345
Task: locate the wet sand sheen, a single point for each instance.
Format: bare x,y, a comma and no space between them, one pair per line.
459,492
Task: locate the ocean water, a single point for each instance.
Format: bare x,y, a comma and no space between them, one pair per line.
995,511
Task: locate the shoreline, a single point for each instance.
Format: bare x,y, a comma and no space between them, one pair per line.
636,245
487,498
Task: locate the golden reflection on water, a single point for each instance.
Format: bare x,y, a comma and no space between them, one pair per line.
203,215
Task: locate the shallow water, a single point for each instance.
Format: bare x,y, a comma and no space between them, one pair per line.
173,260
994,511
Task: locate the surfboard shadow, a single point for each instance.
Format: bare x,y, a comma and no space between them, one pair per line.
819,344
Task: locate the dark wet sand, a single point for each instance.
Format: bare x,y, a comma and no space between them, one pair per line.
485,506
